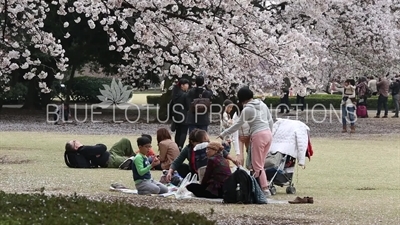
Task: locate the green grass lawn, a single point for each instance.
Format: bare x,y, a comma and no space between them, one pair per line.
353,181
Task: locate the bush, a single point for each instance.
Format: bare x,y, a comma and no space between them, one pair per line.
154,99
321,100
16,94
317,100
86,89
42,209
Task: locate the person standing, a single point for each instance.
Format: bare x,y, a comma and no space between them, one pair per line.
361,91
348,103
194,118
285,95
257,114
301,92
179,109
395,88
372,85
383,91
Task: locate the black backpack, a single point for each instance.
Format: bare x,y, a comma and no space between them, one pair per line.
75,160
238,188
200,104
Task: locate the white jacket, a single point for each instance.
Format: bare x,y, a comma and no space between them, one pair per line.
243,131
301,90
290,137
226,123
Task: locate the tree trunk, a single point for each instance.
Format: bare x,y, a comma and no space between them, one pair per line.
32,100
68,90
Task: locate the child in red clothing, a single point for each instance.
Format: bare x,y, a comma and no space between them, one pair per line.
150,154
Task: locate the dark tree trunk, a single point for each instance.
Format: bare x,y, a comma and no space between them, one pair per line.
46,97
32,100
68,88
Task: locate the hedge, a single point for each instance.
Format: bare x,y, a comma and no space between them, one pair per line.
16,94
60,210
86,89
317,100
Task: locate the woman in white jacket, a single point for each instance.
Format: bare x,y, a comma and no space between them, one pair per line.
242,138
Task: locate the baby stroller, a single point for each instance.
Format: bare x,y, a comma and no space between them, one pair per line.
290,145
279,169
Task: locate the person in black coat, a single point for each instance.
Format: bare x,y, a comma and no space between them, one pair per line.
179,110
198,120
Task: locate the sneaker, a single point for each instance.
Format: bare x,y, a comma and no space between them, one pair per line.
117,187
267,193
127,164
385,116
395,116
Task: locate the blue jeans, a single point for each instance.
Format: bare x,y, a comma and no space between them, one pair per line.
350,111
201,127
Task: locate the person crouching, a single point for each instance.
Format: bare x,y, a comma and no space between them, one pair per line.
141,170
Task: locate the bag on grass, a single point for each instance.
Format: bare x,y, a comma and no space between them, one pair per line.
182,191
75,160
238,188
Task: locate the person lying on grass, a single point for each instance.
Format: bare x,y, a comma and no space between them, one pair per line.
196,137
97,155
217,171
141,170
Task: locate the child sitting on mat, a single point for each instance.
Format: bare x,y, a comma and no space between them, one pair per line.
150,155
141,170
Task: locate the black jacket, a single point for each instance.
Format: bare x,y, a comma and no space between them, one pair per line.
192,119
179,105
90,153
395,86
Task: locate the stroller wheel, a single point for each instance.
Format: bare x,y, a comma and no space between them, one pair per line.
290,190
272,189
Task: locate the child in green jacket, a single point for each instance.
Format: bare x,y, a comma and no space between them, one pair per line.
141,170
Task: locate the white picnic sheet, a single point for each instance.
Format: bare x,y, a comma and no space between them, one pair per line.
171,194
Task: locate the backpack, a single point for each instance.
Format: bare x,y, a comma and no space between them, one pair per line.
200,104
75,160
200,155
238,188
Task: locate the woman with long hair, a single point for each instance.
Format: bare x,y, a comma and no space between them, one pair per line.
168,149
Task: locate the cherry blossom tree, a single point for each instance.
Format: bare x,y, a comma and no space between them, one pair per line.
240,42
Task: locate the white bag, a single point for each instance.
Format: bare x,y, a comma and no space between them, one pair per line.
182,192
201,171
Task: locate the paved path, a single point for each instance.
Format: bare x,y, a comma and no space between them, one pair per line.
152,107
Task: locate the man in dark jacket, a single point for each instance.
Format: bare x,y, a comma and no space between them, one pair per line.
196,119
395,88
285,95
97,155
179,110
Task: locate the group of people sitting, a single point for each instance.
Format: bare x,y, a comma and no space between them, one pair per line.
209,160
141,162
